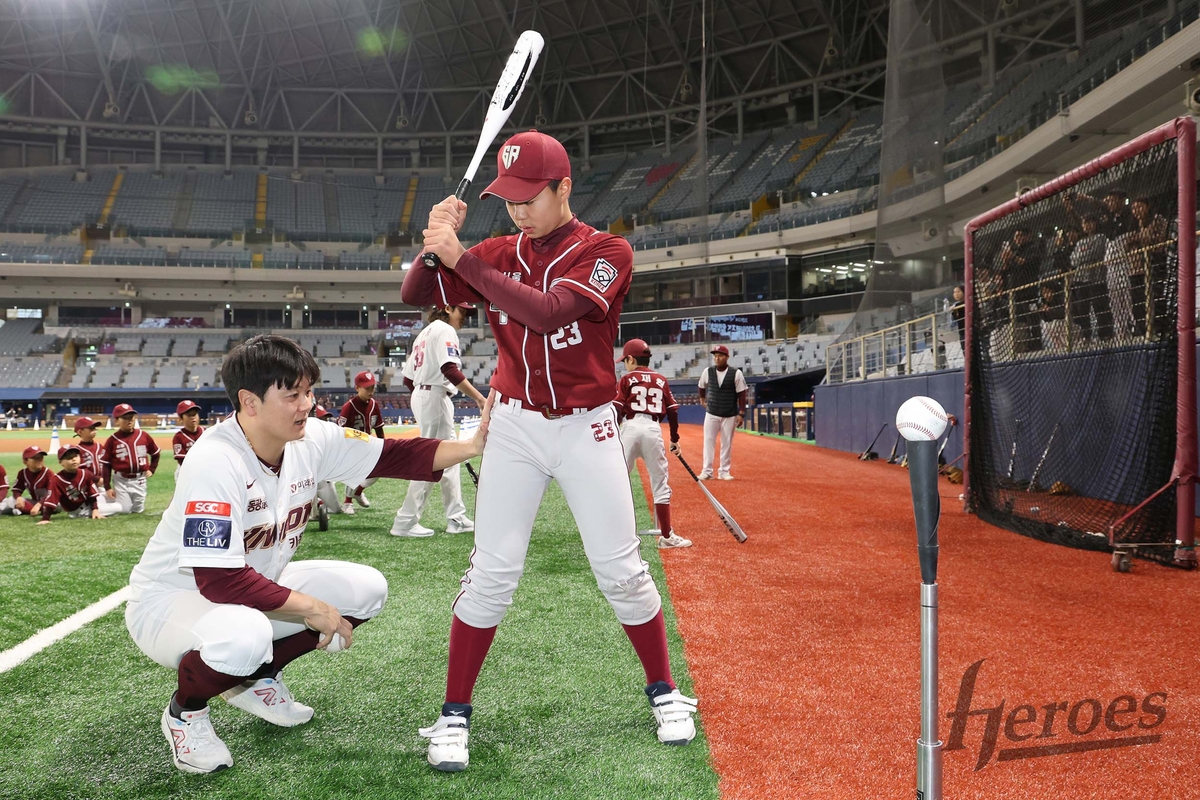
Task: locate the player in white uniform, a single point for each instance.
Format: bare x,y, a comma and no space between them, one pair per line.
723,391
434,368
216,595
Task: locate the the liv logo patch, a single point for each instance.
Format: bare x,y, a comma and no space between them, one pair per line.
1054,727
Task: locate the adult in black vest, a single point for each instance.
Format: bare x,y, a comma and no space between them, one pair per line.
723,391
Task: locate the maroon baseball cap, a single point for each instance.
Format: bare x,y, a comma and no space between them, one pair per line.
31,451
84,422
64,451
321,412
528,162
720,350
635,347
185,406
122,409
364,378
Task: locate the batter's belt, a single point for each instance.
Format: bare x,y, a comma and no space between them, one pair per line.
545,411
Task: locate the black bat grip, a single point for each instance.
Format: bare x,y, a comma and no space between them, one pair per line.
430,259
927,506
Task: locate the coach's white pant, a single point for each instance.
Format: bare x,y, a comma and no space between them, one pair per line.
435,420
583,453
328,494
131,493
237,640
724,426
641,437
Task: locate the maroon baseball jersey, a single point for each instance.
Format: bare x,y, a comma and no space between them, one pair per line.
40,485
91,456
571,367
130,454
3,483
361,416
644,391
183,442
75,489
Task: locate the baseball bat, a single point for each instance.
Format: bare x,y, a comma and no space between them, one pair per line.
474,475
922,476
946,441
1038,469
895,447
508,90
725,516
865,454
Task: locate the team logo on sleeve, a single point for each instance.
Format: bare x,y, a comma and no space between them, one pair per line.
603,275
452,350
510,154
207,525
353,434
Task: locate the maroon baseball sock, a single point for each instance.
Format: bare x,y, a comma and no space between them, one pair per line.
468,648
663,512
650,643
349,498
289,648
358,491
199,683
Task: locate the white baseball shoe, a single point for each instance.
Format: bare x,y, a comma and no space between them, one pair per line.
448,738
705,476
460,525
417,531
673,712
348,508
673,540
725,476
271,700
362,500
195,746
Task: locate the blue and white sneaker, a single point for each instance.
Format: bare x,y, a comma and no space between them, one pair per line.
448,738
673,712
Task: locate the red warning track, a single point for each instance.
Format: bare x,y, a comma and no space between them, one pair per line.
803,643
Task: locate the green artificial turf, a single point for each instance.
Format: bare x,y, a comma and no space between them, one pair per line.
559,710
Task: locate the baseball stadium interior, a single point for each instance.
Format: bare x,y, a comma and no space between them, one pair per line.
176,177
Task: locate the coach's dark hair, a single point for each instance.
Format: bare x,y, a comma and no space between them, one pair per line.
642,361
264,361
438,312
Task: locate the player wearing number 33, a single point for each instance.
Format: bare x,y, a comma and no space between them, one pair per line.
216,595
554,292
643,399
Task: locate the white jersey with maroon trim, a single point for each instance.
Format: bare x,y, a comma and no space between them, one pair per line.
435,346
230,510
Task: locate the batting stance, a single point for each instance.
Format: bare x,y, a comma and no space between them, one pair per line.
433,373
723,391
361,413
130,458
555,292
643,399
216,595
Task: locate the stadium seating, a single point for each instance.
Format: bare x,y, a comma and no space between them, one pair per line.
147,202
122,254
204,257
60,203
22,253
9,188
27,373
222,202
20,337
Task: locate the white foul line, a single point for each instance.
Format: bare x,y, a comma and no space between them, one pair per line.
44,638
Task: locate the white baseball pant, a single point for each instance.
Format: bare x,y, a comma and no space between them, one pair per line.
328,494
435,420
641,437
524,451
131,493
725,427
235,639
107,507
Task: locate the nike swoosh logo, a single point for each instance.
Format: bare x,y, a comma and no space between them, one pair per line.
251,483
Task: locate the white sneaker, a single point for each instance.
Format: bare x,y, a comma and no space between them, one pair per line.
348,508
460,525
705,476
448,742
271,700
673,540
417,531
673,713
725,476
195,746
362,500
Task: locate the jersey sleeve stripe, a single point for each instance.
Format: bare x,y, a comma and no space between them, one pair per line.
587,289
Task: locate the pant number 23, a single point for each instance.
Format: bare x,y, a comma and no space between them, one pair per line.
603,430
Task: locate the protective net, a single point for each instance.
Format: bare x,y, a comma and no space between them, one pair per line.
1074,357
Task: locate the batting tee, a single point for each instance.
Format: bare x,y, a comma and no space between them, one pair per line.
1080,414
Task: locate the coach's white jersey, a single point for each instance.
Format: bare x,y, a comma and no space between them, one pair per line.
436,345
230,510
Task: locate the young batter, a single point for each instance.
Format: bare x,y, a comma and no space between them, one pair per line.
555,292
216,595
433,373
644,399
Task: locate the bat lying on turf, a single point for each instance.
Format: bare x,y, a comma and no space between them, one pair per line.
869,454
725,516
508,90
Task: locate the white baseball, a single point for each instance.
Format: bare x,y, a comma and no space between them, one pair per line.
337,645
921,419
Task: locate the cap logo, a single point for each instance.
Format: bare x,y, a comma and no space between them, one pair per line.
509,154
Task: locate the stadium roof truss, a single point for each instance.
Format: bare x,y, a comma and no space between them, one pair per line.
355,69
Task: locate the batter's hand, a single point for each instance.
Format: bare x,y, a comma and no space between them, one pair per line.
676,449
441,237
451,211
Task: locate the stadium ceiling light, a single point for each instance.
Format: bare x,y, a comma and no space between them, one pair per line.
859,269
857,264
879,262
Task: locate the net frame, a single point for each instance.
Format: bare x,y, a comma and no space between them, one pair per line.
1184,471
